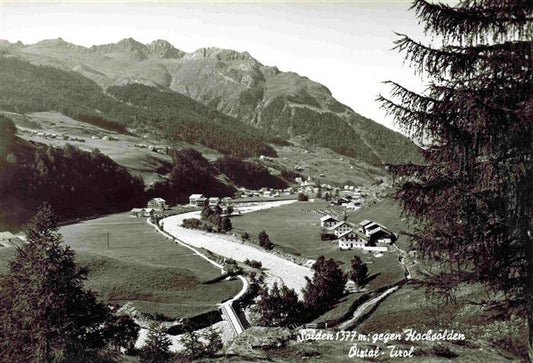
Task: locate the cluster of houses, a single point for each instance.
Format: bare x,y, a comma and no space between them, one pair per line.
156,149
368,235
264,192
199,200
105,138
349,200
52,136
153,206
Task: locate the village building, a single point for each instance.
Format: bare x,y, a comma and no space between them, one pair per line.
375,232
309,182
328,221
381,235
136,212
227,201
353,205
196,200
351,239
350,286
341,228
157,204
370,227
363,224
214,201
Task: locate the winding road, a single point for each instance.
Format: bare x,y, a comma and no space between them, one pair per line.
290,273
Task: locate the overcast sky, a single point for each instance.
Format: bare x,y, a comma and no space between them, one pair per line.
343,45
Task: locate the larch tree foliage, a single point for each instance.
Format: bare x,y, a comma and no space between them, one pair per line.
473,196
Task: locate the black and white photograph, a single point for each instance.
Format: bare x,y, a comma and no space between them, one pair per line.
266,181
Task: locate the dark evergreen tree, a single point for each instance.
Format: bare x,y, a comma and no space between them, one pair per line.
474,194
264,241
45,313
214,342
157,348
279,307
194,348
359,271
326,287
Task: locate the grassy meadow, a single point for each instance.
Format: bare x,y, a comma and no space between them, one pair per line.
295,229
141,266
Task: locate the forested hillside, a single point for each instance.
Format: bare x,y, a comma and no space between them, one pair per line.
248,174
192,173
76,183
30,88
181,118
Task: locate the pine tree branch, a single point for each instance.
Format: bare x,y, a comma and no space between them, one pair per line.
454,61
471,19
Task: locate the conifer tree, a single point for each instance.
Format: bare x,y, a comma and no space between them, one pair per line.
474,193
45,312
157,348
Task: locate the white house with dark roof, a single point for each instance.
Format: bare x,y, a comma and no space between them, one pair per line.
157,204
381,235
196,200
351,239
213,201
341,227
328,221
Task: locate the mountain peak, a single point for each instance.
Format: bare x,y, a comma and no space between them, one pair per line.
130,42
163,49
220,54
125,48
58,42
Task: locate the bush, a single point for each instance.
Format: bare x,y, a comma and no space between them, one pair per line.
192,223
325,236
195,349
264,241
302,197
253,263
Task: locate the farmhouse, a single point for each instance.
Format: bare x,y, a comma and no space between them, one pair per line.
213,201
136,212
353,205
341,227
328,221
158,204
351,239
196,200
363,224
381,235
375,232
340,201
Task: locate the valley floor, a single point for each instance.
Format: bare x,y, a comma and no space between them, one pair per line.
142,266
280,269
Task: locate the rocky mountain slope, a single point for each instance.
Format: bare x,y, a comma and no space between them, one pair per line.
282,104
